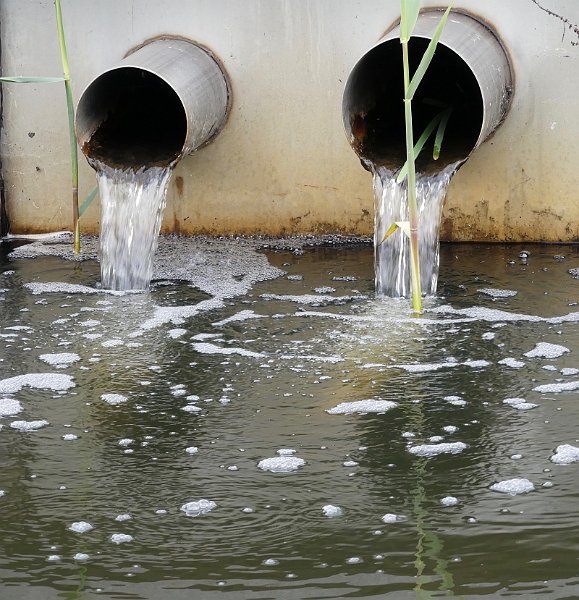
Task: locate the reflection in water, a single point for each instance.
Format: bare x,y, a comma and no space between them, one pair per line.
254,374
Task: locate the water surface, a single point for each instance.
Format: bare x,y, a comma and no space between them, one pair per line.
246,366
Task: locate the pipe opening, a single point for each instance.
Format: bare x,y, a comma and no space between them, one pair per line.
374,109
141,119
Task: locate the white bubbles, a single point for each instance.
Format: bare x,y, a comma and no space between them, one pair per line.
455,400
362,406
60,361
29,425
286,452
81,556
557,388
496,293
565,454
126,442
390,518
449,501
121,538
192,450
123,517
281,464
41,381
546,350
80,527
270,562
332,511
68,437
9,407
198,507
429,450
354,560
512,362
513,487
519,403
114,399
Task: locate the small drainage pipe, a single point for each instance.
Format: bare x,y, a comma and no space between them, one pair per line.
164,100
470,72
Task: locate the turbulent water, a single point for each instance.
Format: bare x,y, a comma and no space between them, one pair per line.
132,204
392,257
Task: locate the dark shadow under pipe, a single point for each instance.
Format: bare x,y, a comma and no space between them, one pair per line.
470,72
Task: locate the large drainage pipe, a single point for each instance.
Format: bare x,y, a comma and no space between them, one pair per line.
164,100
470,73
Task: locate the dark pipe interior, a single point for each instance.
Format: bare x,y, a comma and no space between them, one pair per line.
374,108
143,120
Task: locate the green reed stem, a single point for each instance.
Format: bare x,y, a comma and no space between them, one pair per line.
73,146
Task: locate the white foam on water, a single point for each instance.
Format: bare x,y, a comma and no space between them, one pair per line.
429,450
270,562
362,407
81,556
569,371
286,452
176,333
326,289
244,315
69,437
496,293
192,450
114,399
126,442
313,299
449,501
41,381
519,403
354,560
512,362
565,454
281,464
450,428
435,439
332,511
121,538
557,388
314,358
60,361
198,507
53,558
177,314
489,335
392,518
513,487
208,348
2,493
350,463
9,407
29,425
546,350
80,527
479,313
123,517
191,408
58,287
549,367
455,400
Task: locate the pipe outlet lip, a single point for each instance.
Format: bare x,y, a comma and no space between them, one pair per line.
167,98
470,75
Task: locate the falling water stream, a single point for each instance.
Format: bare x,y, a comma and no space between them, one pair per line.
132,203
392,257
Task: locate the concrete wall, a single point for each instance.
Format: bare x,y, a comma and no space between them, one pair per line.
282,164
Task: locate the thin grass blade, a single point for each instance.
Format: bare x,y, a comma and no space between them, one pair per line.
87,201
404,226
445,115
428,55
25,79
420,144
409,10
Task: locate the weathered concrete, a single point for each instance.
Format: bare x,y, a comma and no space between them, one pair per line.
282,164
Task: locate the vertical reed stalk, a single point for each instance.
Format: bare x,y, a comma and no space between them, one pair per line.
411,187
73,146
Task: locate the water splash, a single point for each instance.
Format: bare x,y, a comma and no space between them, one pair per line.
392,257
132,204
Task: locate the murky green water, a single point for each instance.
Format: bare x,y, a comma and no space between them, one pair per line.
265,382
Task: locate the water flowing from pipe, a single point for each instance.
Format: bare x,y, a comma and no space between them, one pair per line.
132,203
392,256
